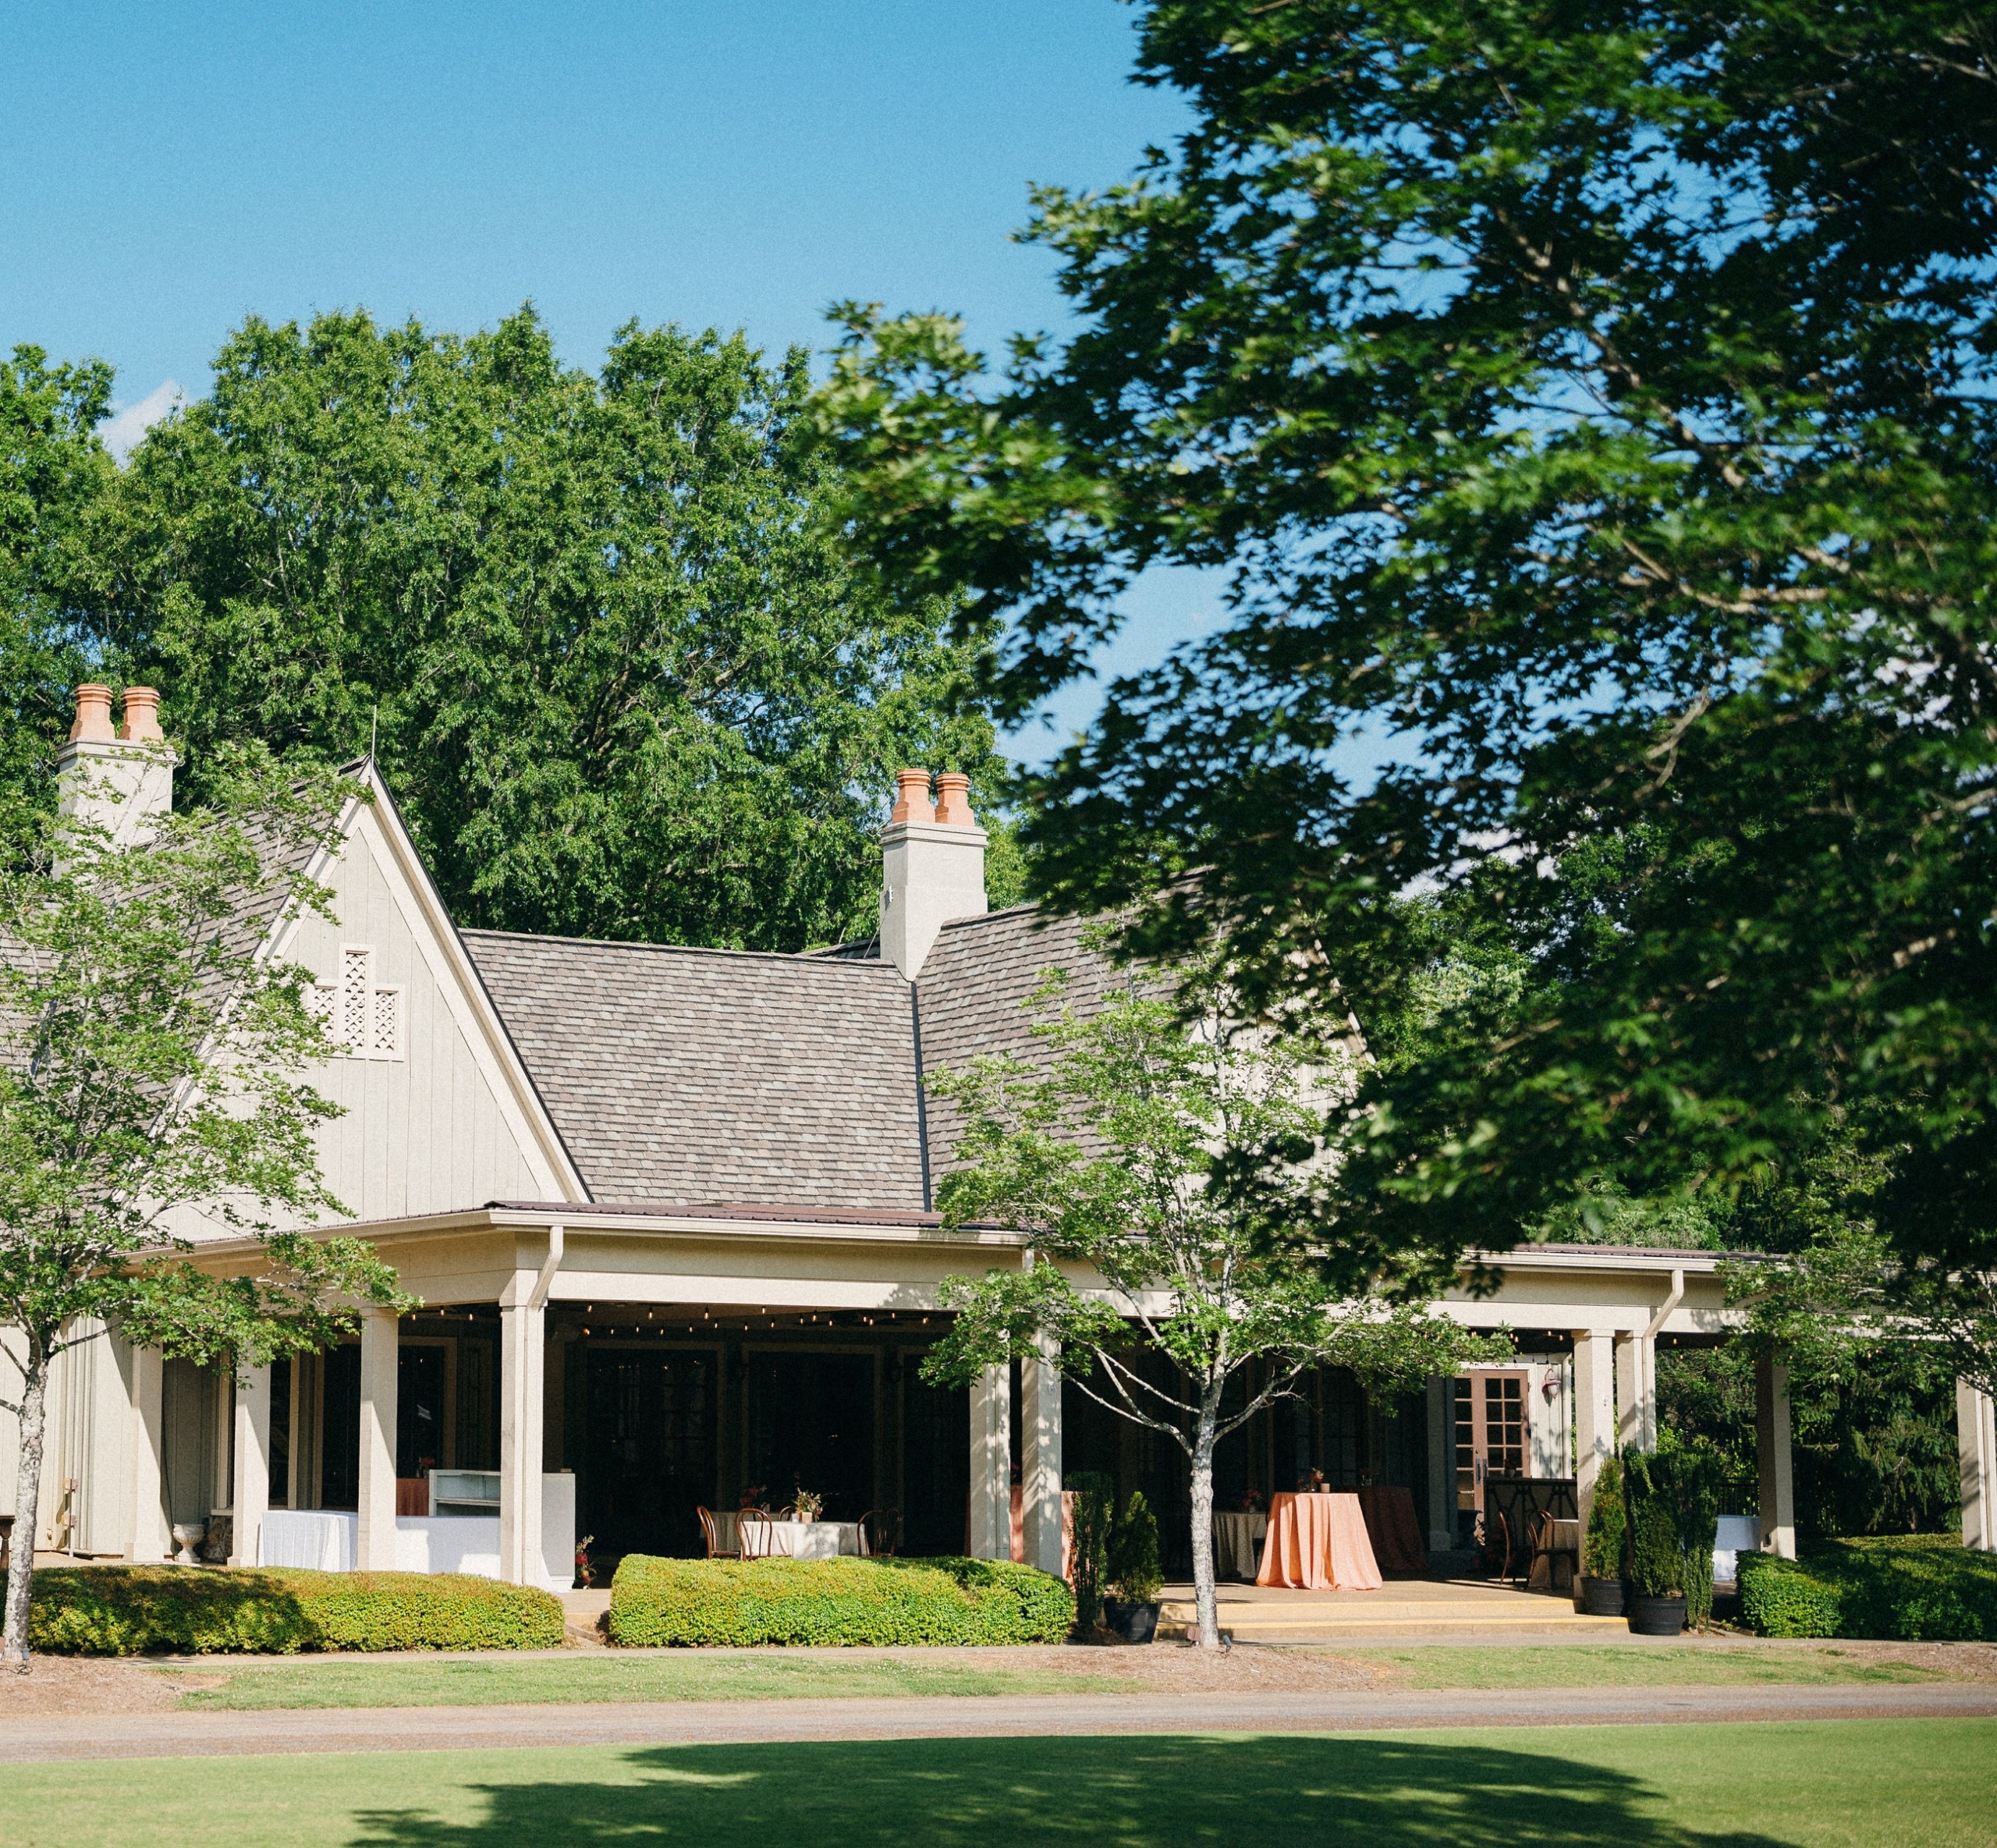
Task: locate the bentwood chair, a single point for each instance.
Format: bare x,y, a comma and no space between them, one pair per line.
710,1533
752,1532
880,1532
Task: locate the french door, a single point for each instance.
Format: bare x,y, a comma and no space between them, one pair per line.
1491,1438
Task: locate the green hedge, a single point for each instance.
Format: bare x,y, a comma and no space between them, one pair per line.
1914,1591
657,1602
139,1610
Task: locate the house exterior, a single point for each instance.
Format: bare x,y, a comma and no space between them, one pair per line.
669,1212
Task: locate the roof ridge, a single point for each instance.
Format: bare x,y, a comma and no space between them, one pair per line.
792,958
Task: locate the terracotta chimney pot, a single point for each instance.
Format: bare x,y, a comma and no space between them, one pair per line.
953,800
92,714
141,724
911,802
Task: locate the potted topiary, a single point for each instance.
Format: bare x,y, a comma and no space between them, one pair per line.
1094,1517
1135,1575
1673,1504
1602,1546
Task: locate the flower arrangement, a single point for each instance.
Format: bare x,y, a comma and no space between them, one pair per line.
1251,1501
585,1572
809,1505
1311,1483
751,1496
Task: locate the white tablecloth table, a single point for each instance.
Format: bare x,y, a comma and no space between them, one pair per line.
796,1539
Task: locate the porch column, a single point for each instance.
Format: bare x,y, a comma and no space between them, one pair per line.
1636,1391
1040,1456
306,1371
1771,1451
522,1340
250,1490
1594,1413
374,1550
1976,1446
991,1464
151,1541
1442,1466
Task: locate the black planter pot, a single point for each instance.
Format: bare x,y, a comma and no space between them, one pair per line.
1657,1616
1133,1622
1601,1597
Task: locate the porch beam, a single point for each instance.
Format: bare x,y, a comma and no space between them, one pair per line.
1976,1448
250,1490
1777,1482
375,1549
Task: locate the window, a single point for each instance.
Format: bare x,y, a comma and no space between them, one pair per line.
364,1016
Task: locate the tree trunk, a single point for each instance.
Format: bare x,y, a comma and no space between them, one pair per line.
1205,1604
27,1512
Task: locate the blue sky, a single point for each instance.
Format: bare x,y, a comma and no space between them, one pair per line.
171,167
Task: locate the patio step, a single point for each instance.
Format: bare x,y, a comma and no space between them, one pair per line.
1278,1621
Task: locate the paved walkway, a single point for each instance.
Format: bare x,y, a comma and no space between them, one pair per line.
717,1722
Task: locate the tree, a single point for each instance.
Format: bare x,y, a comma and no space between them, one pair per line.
1598,398
1107,1151
149,1086
622,683
53,470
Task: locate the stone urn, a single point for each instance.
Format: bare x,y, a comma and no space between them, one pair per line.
188,1535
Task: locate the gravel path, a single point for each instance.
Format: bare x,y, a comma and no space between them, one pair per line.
710,1723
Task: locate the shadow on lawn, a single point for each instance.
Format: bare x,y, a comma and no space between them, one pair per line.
1131,1791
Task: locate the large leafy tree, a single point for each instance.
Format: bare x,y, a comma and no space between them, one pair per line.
152,1062
1596,395
621,682
52,471
1108,1150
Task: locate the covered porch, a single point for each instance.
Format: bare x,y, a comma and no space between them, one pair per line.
603,1372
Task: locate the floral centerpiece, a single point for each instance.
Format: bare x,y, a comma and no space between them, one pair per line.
1311,1483
751,1496
585,1572
1251,1501
809,1505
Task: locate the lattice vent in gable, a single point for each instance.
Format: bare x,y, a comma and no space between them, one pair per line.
365,1015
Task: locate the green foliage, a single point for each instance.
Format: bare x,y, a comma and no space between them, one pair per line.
853,1602
1567,399
53,470
1094,1520
1935,1591
1673,1503
139,1610
1873,1439
626,684
1159,1145
1135,1574
1608,1525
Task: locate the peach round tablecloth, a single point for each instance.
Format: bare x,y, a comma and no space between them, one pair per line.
1318,1543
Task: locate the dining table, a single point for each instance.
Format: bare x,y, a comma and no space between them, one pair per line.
1237,1530
1393,1527
794,1539
1318,1542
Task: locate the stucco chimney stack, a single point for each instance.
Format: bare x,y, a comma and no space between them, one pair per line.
121,780
932,866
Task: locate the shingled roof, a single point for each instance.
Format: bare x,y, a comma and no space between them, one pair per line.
701,1075
697,1076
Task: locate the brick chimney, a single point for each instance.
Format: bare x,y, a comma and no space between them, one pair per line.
933,866
122,781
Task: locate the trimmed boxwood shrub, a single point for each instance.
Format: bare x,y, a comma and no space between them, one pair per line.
140,1610
1931,1589
655,1601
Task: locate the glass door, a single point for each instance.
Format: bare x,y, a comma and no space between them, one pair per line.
1491,1436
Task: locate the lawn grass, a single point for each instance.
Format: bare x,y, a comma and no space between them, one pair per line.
1613,1664
1819,1784
762,1676
597,1678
